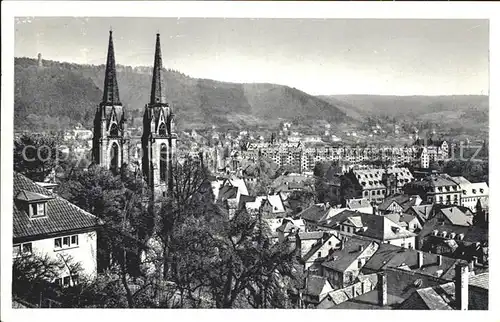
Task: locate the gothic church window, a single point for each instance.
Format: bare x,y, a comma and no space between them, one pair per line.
163,162
163,129
114,130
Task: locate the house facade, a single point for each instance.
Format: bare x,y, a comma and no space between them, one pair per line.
46,224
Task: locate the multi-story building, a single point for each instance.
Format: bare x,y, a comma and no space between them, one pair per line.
376,184
441,189
472,192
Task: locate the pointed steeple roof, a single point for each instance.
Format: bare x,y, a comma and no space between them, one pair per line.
111,95
157,90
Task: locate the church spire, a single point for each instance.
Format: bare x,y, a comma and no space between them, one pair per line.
157,90
111,95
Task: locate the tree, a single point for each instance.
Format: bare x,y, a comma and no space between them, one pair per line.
237,264
36,156
33,274
189,192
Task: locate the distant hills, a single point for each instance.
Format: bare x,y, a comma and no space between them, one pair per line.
467,111
64,93
60,95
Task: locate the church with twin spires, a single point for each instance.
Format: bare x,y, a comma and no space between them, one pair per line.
158,142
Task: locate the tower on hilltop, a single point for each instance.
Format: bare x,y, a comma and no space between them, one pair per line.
109,144
158,137
40,62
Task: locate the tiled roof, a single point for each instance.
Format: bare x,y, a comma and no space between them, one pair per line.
314,213
315,284
337,218
480,280
61,214
401,219
29,196
405,201
471,234
382,228
442,297
341,259
423,212
394,256
357,203
311,235
470,189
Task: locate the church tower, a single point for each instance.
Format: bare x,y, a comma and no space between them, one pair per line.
109,144
158,137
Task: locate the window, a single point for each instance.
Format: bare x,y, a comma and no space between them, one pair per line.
22,249
66,281
66,242
37,210
27,248
319,254
329,243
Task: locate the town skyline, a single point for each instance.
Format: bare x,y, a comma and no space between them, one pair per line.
389,64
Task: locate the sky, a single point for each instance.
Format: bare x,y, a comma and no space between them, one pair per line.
318,56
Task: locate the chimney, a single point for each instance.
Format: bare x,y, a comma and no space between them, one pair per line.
462,286
382,289
471,266
440,260
420,259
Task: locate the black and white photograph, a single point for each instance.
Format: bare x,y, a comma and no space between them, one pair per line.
228,162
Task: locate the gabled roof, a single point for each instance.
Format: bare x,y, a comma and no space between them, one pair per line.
320,243
287,226
357,203
353,221
337,218
442,297
311,235
315,285
471,234
227,192
404,201
61,214
314,213
29,196
341,259
382,228
401,219
456,216
276,203
423,212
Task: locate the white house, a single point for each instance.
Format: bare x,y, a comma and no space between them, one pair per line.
44,223
472,192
